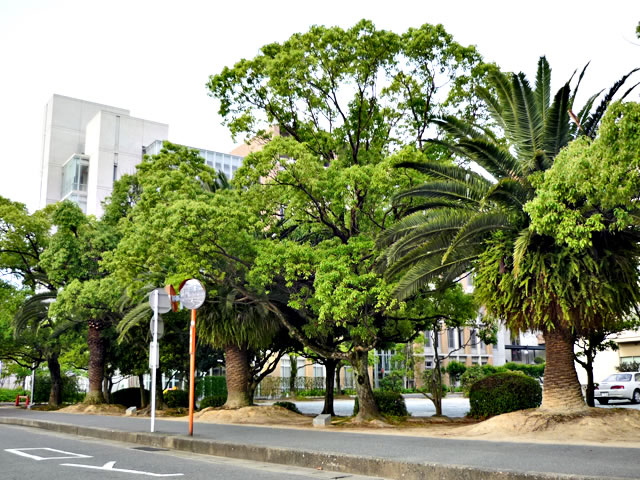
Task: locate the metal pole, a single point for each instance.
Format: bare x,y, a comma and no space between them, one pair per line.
33,384
192,368
153,355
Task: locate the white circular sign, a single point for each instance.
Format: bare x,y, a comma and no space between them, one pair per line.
164,302
192,294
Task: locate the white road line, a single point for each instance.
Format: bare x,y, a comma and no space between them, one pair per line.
22,453
109,467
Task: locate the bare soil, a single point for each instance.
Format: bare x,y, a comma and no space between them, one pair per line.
589,426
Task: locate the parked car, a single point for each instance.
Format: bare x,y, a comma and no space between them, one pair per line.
619,386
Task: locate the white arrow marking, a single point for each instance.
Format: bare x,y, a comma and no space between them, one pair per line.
109,467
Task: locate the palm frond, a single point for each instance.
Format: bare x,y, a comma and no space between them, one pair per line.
34,312
556,128
543,87
477,226
463,192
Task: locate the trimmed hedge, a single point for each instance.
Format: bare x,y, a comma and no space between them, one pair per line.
211,386
288,405
177,399
389,403
503,393
213,401
9,394
129,397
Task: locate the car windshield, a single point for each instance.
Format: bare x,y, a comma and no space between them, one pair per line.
618,377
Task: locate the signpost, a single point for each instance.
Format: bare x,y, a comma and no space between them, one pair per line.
160,303
192,296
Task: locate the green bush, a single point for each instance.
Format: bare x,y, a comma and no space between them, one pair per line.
391,382
475,373
314,392
10,394
288,405
70,390
177,399
502,393
455,370
534,371
389,403
349,391
213,401
129,397
211,386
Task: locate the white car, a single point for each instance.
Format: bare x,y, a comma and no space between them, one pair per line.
619,386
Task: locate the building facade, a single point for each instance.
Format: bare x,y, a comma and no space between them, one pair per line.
87,146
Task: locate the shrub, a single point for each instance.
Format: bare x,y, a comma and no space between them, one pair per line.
503,393
213,401
288,405
129,397
534,371
391,382
70,390
628,367
9,394
455,370
177,399
313,392
475,373
211,386
389,403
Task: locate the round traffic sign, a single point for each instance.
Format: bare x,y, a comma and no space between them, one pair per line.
164,302
192,294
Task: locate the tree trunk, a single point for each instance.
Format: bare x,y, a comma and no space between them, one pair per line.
143,397
368,409
160,405
561,386
590,383
96,364
237,376
338,386
330,369
293,375
55,395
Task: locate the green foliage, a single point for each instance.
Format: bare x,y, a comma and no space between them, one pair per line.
70,390
288,405
533,371
177,399
9,394
455,369
213,401
391,382
211,386
475,373
129,397
628,367
388,402
503,393
314,392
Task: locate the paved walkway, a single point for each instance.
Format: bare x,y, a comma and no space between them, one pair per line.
408,454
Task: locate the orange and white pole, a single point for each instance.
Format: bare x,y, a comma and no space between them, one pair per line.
192,369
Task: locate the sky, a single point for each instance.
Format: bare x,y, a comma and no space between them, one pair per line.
154,57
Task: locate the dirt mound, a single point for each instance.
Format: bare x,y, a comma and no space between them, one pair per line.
256,415
588,425
102,409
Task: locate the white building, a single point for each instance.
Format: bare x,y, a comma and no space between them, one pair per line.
87,146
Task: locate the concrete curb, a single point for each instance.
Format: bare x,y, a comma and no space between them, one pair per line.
344,463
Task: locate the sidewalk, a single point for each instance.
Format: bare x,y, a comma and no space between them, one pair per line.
389,456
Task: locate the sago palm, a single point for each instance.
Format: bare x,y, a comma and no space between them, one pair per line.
460,210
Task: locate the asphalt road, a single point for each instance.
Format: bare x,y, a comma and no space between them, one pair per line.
601,462
26,453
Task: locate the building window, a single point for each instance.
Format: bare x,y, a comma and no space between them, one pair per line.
451,338
75,175
460,337
285,368
318,370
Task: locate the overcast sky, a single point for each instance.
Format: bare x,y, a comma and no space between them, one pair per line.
154,57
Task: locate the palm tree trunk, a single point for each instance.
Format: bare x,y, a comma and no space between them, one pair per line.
96,364
561,386
330,369
55,395
368,409
237,376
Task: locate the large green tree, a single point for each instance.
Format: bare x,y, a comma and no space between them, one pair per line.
342,102
470,221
